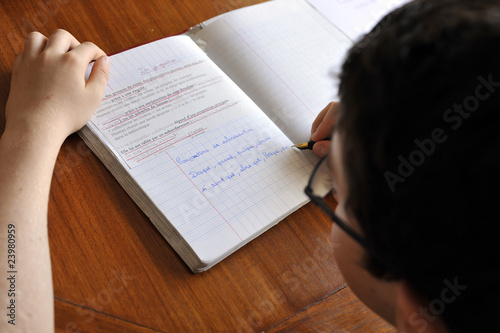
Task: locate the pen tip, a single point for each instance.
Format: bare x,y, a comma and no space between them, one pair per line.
304,145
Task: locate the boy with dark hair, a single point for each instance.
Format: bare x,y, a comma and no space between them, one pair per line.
416,161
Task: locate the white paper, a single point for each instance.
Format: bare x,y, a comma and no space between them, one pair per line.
355,17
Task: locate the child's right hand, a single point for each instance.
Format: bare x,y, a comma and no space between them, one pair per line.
322,128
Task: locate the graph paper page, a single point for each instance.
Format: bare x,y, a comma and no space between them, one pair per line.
284,55
356,17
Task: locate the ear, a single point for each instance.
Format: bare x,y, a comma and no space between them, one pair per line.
413,313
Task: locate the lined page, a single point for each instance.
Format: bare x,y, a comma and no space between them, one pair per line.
209,159
284,55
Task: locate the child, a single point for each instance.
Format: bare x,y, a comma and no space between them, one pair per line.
415,157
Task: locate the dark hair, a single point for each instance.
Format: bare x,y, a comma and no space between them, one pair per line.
420,124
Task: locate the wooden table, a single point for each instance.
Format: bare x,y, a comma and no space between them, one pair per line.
113,271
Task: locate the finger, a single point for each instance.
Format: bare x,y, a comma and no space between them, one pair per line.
325,127
319,118
321,148
61,41
99,76
87,52
34,44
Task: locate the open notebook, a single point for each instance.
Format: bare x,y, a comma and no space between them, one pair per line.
202,141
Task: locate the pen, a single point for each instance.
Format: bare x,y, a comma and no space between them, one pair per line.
306,145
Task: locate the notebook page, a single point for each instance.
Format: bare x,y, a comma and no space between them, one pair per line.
284,55
355,17
212,162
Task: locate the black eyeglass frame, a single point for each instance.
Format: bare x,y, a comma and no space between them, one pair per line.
320,202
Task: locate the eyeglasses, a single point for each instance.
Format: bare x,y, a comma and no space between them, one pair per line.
319,185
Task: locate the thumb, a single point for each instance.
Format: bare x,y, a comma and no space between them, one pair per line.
99,75
321,148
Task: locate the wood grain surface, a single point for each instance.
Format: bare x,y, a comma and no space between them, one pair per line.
112,270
